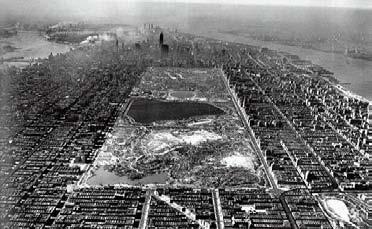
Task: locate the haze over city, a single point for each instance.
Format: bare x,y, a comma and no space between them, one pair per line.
98,8
318,3
200,114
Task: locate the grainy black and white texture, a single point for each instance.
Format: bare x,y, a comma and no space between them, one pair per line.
185,114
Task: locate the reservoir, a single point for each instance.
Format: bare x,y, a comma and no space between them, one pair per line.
147,110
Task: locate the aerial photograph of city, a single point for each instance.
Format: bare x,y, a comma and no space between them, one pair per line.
207,114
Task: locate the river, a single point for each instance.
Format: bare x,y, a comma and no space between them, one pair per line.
29,45
355,74
351,26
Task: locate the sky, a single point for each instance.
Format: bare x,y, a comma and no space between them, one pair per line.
319,3
45,10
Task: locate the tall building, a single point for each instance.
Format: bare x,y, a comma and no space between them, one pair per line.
164,49
161,39
369,206
369,134
368,140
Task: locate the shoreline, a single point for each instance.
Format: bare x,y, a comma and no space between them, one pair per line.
31,46
345,91
288,43
351,94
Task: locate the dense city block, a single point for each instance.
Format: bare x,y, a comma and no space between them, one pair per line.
178,131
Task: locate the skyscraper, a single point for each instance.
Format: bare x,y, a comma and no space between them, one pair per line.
161,39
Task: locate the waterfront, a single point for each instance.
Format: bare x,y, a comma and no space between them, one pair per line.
326,29
240,23
354,74
28,45
297,137
111,136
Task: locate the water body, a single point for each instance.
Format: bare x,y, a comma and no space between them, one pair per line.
344,26
29,45
104,177
356,74
147,110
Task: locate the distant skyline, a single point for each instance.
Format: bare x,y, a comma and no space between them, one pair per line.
312,3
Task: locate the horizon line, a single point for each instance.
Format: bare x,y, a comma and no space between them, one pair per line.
270,3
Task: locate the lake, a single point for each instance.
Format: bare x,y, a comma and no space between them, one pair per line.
147,110
104,177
